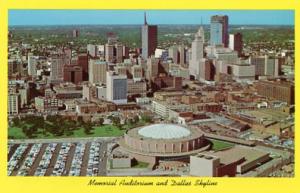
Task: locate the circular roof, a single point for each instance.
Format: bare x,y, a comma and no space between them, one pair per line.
164,131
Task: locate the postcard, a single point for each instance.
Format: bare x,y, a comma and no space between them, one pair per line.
151,97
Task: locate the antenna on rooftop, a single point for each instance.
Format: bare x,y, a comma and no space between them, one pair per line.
145,18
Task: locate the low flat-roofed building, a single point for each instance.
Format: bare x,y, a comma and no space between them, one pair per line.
279,90
248,157
43,104
228,162
121,161
68,91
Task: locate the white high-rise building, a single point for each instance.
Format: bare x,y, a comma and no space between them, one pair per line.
97,71
92,50
57,66
116,88
13,106
32,63
197,53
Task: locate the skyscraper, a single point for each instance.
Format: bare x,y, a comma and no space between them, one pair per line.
114,50
149,39
236,42
92,50
219,30
57,68
197,53
97,71
32,64
14,101
83,62
73,73
116,88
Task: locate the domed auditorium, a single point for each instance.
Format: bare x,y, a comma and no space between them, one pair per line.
156,142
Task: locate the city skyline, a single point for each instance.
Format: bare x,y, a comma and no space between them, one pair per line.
158,17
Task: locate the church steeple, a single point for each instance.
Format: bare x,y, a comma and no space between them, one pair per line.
145,19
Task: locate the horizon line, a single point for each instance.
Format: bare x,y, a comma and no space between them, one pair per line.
208,24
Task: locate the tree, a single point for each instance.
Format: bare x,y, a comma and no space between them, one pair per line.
88,127
100,121
146,118
116,121
136,119
16,121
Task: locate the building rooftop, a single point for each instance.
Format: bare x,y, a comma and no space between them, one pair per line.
164,131
238,152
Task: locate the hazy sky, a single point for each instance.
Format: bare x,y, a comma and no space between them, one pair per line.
70,17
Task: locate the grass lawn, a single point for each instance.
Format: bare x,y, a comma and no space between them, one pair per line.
220,145
140,165
16,133
102,131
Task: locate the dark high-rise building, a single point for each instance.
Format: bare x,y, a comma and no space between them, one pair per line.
219,30
236,42
83,61
209,69
73,74
149,39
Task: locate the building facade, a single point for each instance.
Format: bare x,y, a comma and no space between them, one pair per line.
219,30
149,39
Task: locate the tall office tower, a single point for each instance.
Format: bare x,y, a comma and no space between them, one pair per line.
197,53
109,52
236,42
92,50
137,72
219,30
75,33
13,106
178,54
182,54
82,61
68,54
97,71
32,64
119,52
209,71
260,64
24,96
113,50
116,86
174,54
73,73
125,52
57,68
152,69
149,39
15,66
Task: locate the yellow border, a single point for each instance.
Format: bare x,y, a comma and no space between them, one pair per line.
79,184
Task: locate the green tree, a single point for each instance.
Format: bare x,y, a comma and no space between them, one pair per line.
88,127
116,121
16,121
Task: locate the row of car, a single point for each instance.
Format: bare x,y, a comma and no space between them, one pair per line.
94,159
45,161
77,160
55,159
13,163
60,164
29,160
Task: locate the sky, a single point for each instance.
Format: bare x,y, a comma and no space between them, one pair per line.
82,17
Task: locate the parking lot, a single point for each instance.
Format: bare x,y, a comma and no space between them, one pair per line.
57,159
